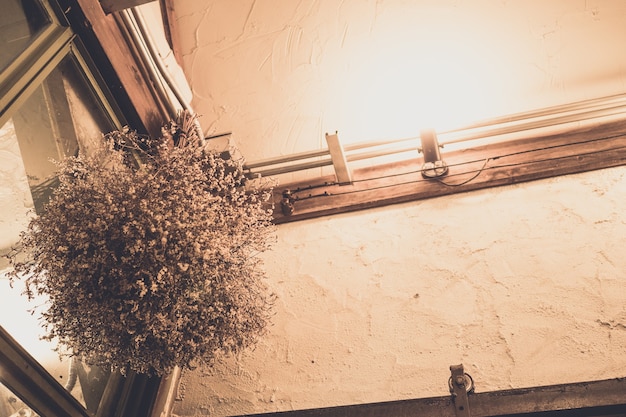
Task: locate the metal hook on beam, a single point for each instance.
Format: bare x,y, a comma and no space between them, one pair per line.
460,384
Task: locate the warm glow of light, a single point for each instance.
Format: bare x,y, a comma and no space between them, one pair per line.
405,93
404,76
25,327
384,70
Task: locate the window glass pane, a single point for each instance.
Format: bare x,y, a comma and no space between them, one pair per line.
12,406
60,117
20,22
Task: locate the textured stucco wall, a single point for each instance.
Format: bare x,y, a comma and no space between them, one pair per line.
281,73
523,284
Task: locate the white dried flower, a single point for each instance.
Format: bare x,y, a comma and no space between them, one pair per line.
140,259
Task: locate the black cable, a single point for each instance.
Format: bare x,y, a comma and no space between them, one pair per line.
478,172
557,158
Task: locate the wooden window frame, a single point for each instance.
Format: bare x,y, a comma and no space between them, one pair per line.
130,396
118,64
80,29
23,375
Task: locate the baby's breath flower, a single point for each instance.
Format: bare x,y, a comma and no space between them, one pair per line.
146,253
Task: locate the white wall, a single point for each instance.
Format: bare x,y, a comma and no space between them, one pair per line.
281,73
524,284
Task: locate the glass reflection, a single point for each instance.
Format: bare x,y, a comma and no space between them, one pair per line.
12,406
20,23
60,117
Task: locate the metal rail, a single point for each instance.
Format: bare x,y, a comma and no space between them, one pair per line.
548,117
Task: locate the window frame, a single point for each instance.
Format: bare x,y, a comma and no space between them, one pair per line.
23,375
68,35
17,76
26,73
583,399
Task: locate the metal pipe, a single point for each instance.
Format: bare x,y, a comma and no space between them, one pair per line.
288,158
292,168
594,114
144,57
546,111
543,118
165,74
382,152
327,161
324,152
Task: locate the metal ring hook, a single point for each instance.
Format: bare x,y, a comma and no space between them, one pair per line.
466,381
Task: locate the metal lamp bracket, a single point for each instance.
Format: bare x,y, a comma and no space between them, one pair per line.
434,166
460,384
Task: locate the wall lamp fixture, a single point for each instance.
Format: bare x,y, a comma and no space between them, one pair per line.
434,166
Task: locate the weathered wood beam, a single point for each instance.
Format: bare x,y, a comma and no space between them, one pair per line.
111,6
170,23
596,398
504,163
102,32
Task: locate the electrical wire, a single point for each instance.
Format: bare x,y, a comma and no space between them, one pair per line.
467,181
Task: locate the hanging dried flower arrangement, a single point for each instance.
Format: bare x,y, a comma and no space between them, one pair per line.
147,254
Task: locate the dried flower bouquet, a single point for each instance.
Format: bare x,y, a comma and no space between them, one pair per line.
147,254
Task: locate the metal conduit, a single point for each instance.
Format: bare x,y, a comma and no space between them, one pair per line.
150,43
545,112
135,37
323,152
538,124
516,123
327,162
135,26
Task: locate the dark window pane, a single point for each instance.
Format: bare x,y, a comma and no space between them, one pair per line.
11,405
20,22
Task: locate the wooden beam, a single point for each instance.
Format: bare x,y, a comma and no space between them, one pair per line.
111,6
597,398
504,163
101,32
170,23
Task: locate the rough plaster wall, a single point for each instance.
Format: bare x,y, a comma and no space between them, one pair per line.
524,285
281,73
521,284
